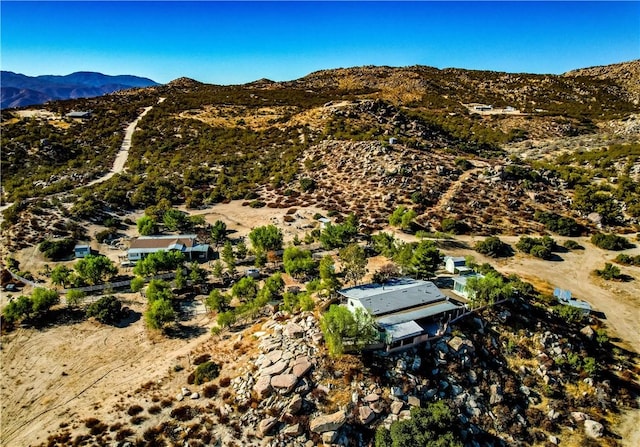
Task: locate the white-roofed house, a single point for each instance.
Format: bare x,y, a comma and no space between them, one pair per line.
406,311
185,243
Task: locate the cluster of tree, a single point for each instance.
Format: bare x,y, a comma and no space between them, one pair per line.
454,226
421,259
298,262
610,241
339,235
494,247
56,250
402,217
435,425
160,261
159,311
343,329
88,270
84,148
266,238
538,247
564,226
28,307
489,289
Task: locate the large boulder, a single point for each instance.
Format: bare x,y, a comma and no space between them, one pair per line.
275,369
266,425
263,387
593,429
366,415
328,422
284,382
293,330
295,405
302,366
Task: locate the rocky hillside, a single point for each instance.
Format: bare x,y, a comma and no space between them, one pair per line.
362,140
507,384
626,74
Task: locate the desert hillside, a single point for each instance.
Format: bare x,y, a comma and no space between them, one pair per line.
274,197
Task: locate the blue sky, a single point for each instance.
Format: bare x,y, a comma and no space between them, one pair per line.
238,42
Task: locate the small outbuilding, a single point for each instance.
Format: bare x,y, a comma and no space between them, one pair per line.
81,251
452,264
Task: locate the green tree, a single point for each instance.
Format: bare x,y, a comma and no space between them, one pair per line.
241,250
245,289
16,310
197,275
75,297
341,326
107,310
158,289
56,250
226,319
384,244
228,257
43,299
60,275
298,262
218,232
426,259
435,425
161,261
266,238
180,281
159,313
327,270
488,289
217,301
175,220
95,269
354,262
216,270
147,226
137,284
610,272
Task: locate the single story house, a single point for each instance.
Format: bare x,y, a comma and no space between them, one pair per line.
78,115
406,311
453,263
81,250
185,243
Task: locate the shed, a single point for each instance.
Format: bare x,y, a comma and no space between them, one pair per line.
82,250
393,140
453,263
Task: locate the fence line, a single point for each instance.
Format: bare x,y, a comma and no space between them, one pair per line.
23,280
115,285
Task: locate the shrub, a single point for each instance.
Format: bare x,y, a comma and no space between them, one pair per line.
572,245
625,259
106,310
564,226
610,272
610,241
450,225
206,372
56,250
134,409
494,247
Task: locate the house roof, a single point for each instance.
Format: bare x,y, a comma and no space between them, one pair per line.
419,313
167,242
462,280
457,260
403,330
394,296
79,114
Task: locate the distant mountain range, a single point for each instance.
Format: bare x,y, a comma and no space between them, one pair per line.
18,90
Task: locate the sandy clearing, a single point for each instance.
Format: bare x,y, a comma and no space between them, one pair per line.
72,372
